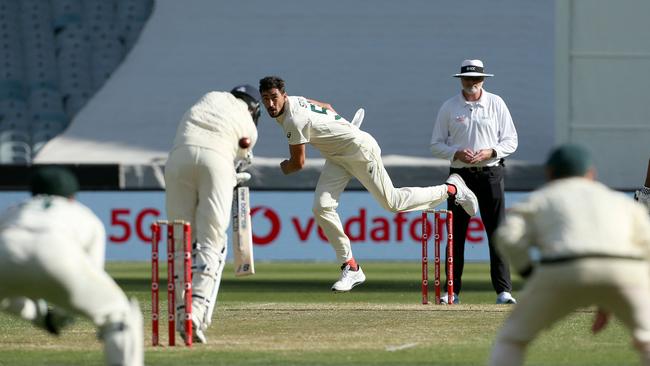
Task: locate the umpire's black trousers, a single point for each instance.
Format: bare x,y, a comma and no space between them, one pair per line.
487,184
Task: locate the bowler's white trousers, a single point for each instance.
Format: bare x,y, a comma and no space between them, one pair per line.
363,162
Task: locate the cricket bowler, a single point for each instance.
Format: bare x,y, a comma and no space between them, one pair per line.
52,265
215,138
349,153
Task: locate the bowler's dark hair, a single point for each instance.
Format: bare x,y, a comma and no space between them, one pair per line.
271,82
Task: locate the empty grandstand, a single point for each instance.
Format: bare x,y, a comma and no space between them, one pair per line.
55,55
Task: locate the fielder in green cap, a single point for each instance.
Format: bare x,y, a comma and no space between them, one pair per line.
54,181
52,259
592,246
570,160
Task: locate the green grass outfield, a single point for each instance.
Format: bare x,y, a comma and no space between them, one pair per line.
287,315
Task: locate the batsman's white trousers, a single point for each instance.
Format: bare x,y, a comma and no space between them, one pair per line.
619,286
364,163
199,189
199,186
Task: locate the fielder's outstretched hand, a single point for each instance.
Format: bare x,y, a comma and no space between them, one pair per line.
600,321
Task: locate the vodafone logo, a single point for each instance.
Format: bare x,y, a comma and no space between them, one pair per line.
271,226
274,221
268,225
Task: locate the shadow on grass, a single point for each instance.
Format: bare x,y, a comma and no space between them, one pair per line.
277,286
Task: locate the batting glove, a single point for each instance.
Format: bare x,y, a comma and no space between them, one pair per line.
245,162
243,177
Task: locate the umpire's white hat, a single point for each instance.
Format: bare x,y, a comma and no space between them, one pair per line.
471,68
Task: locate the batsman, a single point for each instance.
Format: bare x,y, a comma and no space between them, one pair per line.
211,151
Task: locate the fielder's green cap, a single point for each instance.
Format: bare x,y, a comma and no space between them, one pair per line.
54,181
569,160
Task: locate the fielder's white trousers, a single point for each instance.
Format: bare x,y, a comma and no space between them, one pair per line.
618,286
365,164
44,266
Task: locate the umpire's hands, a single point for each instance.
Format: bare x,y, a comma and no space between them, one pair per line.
464,155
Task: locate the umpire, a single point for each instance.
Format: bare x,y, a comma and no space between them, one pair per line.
475,132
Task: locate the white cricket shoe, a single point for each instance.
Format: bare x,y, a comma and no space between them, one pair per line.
505,298
197,333
348,279
464,196
444,299
643,197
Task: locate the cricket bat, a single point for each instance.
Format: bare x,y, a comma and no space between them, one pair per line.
242,234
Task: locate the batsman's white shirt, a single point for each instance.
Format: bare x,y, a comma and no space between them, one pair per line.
200,173
53,248
484,124
349,152
217,122
199,182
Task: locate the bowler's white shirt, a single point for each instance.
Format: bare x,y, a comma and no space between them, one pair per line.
483,124
304,122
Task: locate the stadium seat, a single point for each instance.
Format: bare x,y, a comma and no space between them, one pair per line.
44,100
13,152
15,136
54,54
42,136
106,57
99,15
65,13
131,17
14,109
49,123
12,90
74,101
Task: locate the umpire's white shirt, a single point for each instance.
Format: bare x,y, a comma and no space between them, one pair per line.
483,124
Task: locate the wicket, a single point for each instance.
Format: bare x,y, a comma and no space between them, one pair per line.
450,255
171,289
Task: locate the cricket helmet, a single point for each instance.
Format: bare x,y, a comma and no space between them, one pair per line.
252,98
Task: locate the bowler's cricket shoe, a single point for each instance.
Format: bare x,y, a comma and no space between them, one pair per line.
464,196
349,279
505,298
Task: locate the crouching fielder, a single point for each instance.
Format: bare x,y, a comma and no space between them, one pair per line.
52,251
215,134
594,245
